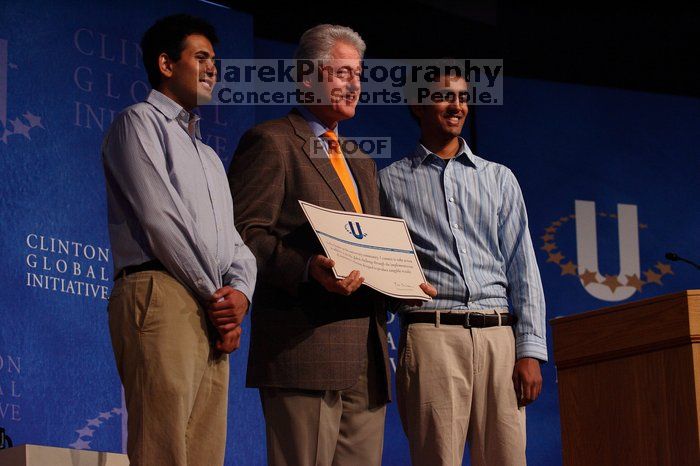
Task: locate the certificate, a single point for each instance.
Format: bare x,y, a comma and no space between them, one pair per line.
380,248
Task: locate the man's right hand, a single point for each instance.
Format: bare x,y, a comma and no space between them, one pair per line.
320,269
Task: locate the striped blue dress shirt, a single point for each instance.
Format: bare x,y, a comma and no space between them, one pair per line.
168,198
468,222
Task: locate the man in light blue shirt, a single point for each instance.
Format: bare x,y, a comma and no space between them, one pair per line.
183,277
467,366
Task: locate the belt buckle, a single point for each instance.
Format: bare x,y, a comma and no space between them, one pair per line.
467,320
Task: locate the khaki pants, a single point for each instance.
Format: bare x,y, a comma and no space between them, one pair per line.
175,386
323,428
455,385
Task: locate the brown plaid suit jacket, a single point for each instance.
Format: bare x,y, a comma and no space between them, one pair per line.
302,337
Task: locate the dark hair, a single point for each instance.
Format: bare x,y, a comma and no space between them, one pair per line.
446,66
168,36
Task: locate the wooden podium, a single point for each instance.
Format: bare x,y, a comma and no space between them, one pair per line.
629,383
39,455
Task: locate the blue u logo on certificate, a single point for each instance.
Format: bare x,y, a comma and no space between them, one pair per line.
355,230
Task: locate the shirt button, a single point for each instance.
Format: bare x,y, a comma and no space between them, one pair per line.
452,199
456,225
464,250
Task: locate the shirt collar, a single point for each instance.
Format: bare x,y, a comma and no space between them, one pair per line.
172,110
464,155
314,123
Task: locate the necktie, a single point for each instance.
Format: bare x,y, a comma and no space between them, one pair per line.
338,162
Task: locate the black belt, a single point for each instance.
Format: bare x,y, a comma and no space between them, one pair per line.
467,320
146,266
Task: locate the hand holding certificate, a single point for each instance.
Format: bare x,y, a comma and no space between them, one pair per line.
379,247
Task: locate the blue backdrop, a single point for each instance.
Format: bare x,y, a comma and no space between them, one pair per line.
65,70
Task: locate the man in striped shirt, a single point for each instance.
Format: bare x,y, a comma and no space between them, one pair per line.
467,366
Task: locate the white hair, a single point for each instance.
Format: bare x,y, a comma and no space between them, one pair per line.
316,43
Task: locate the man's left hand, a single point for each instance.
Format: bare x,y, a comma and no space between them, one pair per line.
230,342
427,289
227,309
527,380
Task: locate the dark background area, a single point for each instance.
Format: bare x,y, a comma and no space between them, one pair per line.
651,48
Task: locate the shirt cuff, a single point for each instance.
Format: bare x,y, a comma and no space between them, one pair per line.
240,286
531,346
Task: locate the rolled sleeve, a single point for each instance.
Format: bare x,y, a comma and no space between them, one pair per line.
531,346
242,273
524,282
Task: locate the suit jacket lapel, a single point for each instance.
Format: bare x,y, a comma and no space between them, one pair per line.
322,164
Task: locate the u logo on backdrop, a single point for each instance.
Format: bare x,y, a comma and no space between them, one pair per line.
619,285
